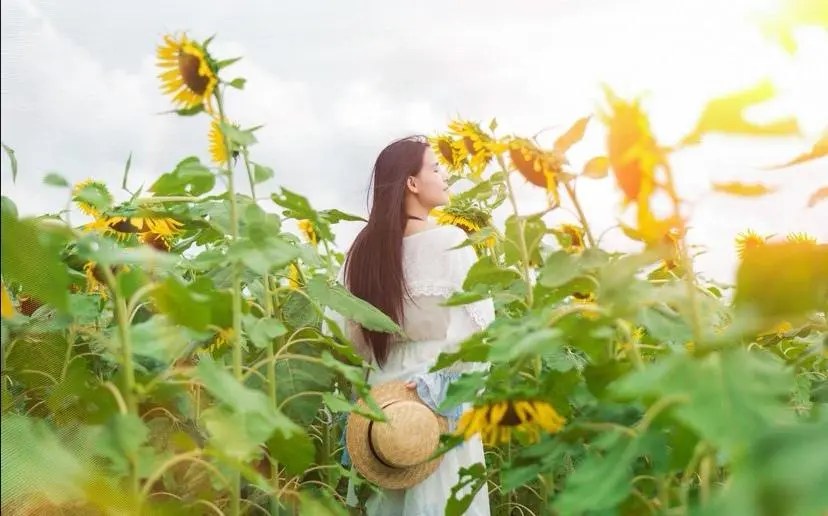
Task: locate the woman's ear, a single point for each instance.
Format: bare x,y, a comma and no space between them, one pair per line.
411,184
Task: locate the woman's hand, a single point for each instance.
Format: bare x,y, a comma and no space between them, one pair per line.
411,385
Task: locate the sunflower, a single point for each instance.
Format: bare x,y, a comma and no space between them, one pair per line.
539,167
159,242
94,280
632,148
448,153
6,305
801,238
218,151
468,218
496,422
294,277
82,191
122,227
189,74
571,237
306,227
672,241
748,240
473,145
220,339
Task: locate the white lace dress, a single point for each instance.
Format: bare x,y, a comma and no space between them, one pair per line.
433,271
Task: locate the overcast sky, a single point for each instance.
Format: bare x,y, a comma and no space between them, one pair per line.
335,81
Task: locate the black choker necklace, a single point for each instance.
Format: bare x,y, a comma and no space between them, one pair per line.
413,217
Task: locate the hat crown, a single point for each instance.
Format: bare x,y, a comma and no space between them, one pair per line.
410,435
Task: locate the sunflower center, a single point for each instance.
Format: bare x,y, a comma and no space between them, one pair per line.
189,65
510,418
446,151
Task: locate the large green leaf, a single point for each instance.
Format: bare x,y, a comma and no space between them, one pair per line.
35,464
37,359
534,231
256,419
485,274
263,255
471,480
349,306
604,479
121,439
182,304
727,397
783,472
159,339
31,256
189,177
559,269
262,331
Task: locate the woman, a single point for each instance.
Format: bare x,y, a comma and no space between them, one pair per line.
406,267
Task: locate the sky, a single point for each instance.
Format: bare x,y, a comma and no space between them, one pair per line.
334,82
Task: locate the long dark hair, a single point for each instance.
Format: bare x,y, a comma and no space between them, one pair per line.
374,268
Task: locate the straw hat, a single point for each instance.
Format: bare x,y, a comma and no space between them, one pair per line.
394,454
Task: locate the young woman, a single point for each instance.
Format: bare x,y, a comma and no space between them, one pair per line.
406,267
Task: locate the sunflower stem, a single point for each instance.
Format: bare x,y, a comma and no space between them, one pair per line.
271,383
570,190
249,173
521,223
235,495
686,261
122,316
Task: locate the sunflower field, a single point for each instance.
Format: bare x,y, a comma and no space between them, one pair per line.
171,354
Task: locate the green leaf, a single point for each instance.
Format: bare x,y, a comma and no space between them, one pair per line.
261,173
264,255
8,208
319,504
784,472
464,298
333,216
96,195
602,480
295,451
665,327
726,397
105,252
238,83
190,111
471,480
781,280
159,339
31,256
126,171
263,331
189,177
182,305
12,160
241,137
35,360
349,306
559,269
533,343
339,404
130,280
247,417
534,230
121,439
55,180
487,274
31,456
472,349
224,63
463,390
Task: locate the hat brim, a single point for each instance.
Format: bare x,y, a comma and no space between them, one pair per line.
363,458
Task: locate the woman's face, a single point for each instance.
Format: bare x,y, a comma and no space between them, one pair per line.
429,185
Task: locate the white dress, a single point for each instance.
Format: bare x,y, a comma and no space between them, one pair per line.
432,271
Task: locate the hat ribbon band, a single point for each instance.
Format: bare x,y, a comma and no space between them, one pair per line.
371,442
